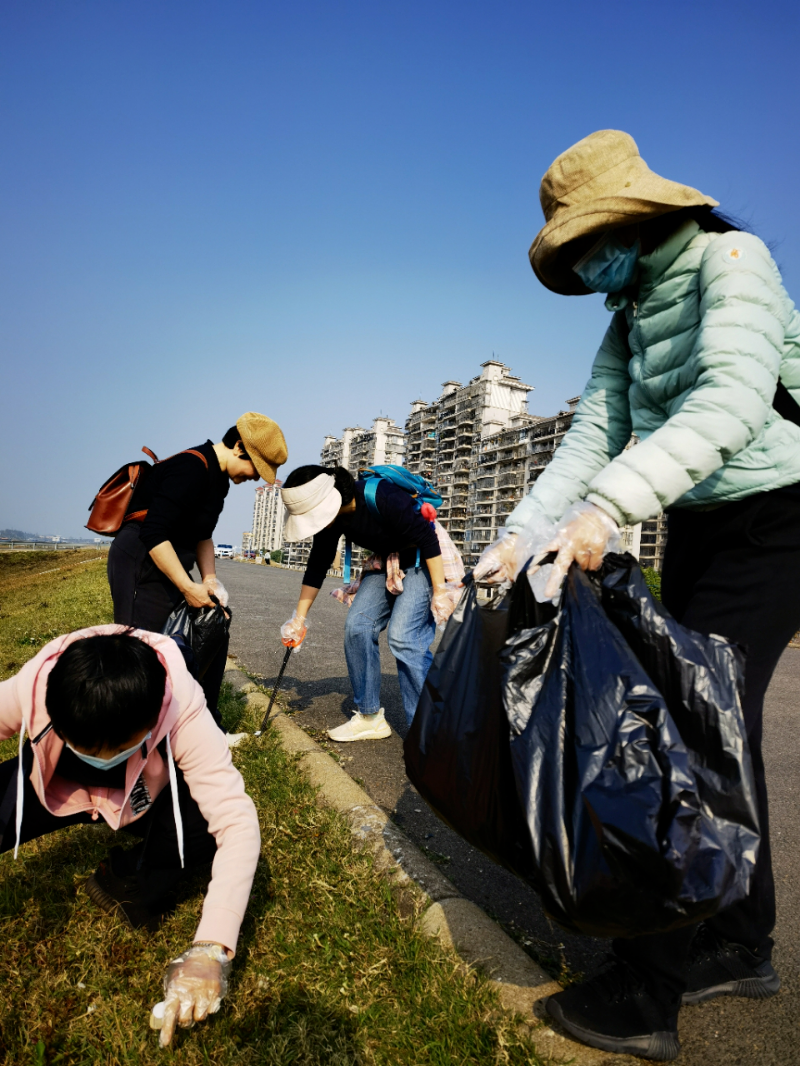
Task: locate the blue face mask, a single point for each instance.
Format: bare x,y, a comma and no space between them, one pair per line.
609,266
106,764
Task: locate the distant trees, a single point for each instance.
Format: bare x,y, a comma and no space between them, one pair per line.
652,579
276,556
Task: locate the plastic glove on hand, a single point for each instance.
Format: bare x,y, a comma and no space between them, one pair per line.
216,588
443,602
293,632
198,595
498,564
583,535
194,985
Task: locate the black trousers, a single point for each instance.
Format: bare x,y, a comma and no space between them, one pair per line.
734,571
155,861
143,597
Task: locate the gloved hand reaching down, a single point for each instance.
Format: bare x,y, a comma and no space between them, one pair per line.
194,985
293,632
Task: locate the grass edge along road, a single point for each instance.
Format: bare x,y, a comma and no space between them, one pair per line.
331,967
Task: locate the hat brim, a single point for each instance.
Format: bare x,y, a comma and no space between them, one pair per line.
303,526
647,197
264,469
267,468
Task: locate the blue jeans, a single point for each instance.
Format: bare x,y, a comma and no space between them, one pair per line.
411,632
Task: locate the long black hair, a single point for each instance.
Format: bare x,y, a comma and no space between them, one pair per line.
710,219
343,480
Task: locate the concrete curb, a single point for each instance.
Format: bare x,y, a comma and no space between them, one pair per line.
522,986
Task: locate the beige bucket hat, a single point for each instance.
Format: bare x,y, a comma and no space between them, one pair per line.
598,184
311,506
264,442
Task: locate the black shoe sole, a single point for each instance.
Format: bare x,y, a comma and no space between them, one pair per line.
106,902
662,1046
748,987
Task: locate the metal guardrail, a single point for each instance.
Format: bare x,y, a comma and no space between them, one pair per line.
49,545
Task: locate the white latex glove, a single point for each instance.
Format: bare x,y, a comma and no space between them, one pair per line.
443,602
293,632
498,564
194,985
216,588
583,535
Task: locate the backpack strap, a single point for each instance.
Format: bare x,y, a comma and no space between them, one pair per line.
371,494
348,559
194,451
139,516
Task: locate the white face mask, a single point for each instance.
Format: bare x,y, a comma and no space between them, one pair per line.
106,764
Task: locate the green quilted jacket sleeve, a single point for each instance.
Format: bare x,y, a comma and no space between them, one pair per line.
601,427
729,384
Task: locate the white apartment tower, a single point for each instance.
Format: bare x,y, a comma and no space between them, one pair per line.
358,448
268,518
443,439
336,450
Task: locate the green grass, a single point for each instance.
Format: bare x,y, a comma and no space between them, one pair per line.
44,594
331,968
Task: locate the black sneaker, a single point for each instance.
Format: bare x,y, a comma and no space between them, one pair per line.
719,968
120,896
614,1011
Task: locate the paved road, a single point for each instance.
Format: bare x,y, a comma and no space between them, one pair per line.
727,1032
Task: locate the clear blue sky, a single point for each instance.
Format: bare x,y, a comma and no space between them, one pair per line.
322,211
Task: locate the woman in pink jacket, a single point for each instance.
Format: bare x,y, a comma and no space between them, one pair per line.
111,725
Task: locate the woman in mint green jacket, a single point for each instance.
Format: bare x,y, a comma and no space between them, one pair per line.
701,361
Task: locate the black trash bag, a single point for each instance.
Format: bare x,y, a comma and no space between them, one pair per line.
199,632
457,751
631,760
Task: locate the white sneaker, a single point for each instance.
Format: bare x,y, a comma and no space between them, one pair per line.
362,727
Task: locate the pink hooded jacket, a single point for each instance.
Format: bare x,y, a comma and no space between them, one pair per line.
193,741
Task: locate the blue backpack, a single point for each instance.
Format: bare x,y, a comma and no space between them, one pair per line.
419,489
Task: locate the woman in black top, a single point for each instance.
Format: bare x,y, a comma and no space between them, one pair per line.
177,507
328,504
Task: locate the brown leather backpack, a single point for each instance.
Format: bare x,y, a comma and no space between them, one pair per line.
109,509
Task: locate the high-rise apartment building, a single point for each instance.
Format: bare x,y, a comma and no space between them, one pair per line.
268,519
508,464
336,450
653,540
443,438
484,452
358,448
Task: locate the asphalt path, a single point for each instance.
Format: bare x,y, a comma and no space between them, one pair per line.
725,1032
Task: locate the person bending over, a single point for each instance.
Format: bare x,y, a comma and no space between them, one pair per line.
169,528
111,725
327,504
701,361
